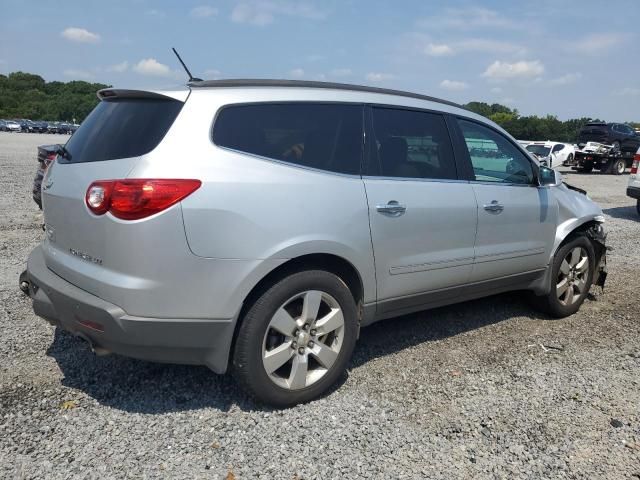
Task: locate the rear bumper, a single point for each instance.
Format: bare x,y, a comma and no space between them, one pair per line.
110,330
633,192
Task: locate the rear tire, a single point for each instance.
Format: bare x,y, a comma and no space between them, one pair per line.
571,277
569,159
638,207
618,166
296,339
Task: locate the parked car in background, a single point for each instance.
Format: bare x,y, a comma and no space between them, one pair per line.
621,137
3,125
633,189
552,154
46,155
284,229
12,126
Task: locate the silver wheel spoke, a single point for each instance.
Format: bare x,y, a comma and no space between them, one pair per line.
575,256
274,359
569,298
582,265
298,376
283,322
325,355
311,305
330,322
562,286
580,284
565,268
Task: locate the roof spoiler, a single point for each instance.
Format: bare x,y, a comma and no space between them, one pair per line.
107,93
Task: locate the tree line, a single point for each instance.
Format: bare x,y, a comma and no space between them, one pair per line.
25,95
533,127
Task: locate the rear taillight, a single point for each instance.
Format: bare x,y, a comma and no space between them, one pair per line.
636,164
137,198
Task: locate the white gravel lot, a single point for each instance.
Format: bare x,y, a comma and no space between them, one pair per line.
485,389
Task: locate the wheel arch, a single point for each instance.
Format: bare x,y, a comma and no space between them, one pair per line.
576,228
329,262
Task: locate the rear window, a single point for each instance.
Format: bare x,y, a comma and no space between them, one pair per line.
324,136
122,128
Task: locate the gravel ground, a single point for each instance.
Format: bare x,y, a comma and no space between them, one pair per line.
484,389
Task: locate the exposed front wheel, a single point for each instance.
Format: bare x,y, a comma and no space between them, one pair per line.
571,278
296,339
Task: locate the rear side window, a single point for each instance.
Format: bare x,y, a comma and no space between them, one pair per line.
410,144
122,128
324,136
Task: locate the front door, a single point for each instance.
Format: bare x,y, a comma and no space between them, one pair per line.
423,219
516,218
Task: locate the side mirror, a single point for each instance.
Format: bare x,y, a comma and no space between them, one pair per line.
548,177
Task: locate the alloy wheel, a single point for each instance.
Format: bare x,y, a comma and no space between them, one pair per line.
303,340
572,276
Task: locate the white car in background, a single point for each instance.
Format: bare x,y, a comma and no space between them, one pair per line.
13,126
553,154
633,189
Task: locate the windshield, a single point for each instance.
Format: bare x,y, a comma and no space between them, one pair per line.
539,150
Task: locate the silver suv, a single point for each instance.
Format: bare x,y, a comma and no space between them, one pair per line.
255,226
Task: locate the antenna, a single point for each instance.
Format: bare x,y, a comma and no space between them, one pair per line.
191,77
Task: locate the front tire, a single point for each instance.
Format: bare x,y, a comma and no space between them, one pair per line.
571,277
296,339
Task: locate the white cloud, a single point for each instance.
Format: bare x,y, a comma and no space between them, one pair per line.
80,35
212,74
78,74
466,18
438,50
118,67
203,11
453,85
596,43
264,12
379,77
155,13
503,70
296,73
628,92
472,45
567,79
150,66
341,72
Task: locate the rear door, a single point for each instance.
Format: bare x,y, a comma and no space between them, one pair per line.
423,218
516,218
111,140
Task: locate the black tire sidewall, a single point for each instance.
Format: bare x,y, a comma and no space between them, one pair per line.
555,307
247,360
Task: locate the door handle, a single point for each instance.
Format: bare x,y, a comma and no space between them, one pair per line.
392,209
494,207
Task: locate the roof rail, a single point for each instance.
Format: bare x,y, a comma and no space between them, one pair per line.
313,84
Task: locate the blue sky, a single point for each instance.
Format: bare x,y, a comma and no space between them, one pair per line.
569,58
